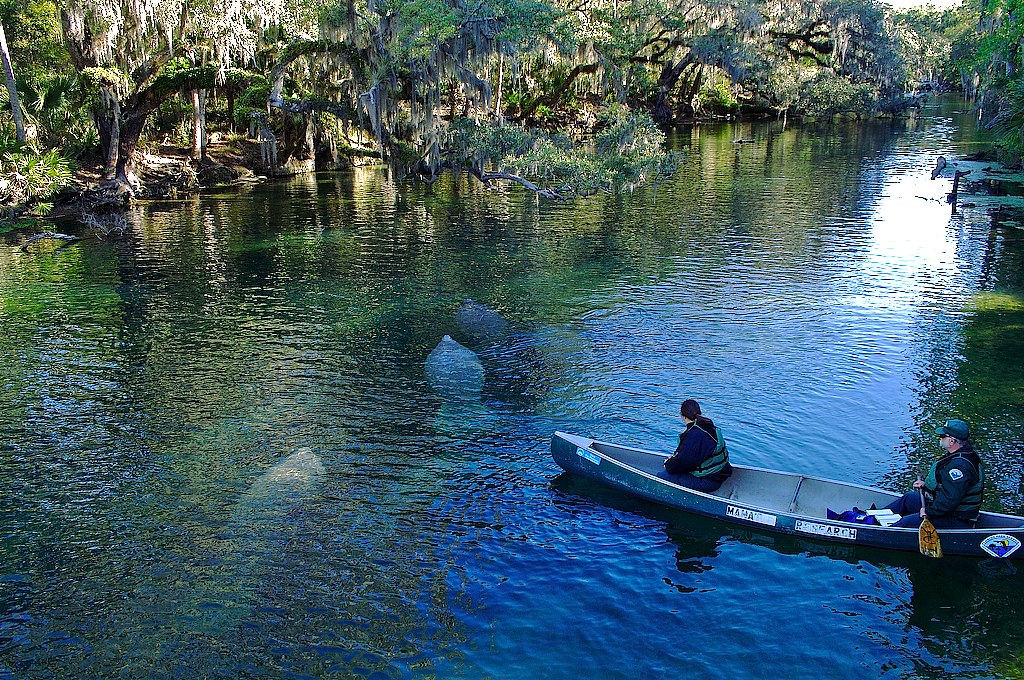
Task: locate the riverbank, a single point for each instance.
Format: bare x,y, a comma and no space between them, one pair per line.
166,172
169,171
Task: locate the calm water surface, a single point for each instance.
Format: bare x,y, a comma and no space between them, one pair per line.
811,289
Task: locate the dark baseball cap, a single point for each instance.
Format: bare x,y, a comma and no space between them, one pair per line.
957,429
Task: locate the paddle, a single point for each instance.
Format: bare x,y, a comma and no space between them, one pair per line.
927,536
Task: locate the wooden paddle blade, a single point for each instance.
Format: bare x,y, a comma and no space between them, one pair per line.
928,539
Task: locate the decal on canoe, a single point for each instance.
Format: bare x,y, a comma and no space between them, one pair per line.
848,533
751,515
1000,545
589,455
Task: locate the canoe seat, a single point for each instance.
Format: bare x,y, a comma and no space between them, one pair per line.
760,488
727,490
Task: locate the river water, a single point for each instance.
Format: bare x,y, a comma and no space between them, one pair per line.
811,287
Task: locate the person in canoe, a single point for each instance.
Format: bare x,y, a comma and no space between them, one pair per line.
700,461
953,488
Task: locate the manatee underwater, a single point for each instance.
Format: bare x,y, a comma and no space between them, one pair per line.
456,375
454,371
480,323
258,530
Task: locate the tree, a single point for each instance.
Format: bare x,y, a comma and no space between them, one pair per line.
987,54
122,49
925,40
12,87
398,67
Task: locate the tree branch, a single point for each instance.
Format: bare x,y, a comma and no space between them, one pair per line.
488,177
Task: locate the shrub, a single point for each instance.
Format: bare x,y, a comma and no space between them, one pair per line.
829,94
28,176
718,97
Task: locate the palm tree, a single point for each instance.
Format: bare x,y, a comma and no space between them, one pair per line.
12,89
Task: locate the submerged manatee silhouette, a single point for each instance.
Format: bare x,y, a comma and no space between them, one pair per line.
454,371
283,486
259,528
481,323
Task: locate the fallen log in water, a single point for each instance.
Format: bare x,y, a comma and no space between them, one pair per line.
49,235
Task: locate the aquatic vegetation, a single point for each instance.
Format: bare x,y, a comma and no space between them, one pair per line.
997,301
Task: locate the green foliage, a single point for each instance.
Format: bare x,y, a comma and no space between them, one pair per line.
422,24
180,74
239,79
718,97
543,114
172,120
1010,124
784,84
525,20
34,39
642,82
94,78
253,101
631,147
925,36
627,152
30,176
400,63
829,94
986,55
54,107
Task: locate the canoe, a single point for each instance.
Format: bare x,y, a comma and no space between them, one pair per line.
782,502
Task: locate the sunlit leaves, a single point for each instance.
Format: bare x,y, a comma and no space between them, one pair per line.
829,94
627,152
27,175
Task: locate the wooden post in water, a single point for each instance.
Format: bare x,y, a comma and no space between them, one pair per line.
956,186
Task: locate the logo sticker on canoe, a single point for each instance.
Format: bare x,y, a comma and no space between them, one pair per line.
828,530
751,515
1000,545
589,455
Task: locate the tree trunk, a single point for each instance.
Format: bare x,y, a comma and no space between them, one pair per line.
108,124
12,88
689,99
199,125
670,73
120,129
132,124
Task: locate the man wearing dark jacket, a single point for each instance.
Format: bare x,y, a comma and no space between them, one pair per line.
953,488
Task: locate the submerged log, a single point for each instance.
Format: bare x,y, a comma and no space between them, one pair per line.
49,235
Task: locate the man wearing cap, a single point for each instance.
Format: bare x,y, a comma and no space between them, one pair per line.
953,488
